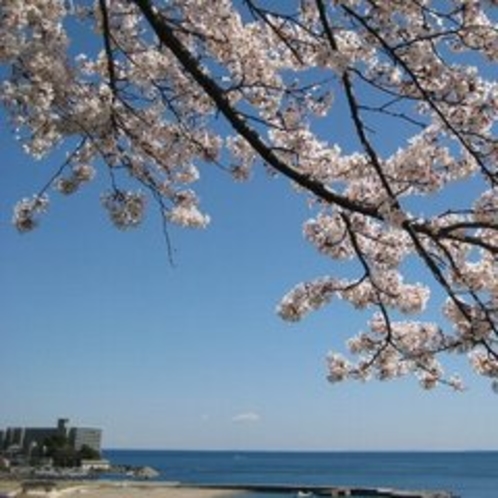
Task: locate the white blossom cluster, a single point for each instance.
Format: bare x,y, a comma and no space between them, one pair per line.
164,89
126,209
27,211
79,175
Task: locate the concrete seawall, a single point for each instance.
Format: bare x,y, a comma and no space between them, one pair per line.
306,491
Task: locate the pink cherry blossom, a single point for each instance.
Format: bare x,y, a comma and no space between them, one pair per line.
165,89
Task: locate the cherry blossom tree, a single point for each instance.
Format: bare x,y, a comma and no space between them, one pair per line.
139,91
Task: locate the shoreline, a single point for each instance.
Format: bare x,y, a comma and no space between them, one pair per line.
164,489
109,489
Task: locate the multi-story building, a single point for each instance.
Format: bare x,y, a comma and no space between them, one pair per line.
85,436
14,437
26,439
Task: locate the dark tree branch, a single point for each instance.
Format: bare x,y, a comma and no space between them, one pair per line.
217,94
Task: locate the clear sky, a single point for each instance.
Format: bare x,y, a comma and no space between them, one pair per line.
97,326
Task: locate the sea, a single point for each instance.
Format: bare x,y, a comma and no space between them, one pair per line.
465,474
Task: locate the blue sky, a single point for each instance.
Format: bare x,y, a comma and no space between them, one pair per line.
97,326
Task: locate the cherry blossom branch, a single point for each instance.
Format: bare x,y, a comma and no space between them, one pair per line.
149,102
107,46
493,178
168,38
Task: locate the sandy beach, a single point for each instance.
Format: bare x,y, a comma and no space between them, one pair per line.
99,489
134,490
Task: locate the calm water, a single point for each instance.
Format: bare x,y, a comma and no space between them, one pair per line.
469,475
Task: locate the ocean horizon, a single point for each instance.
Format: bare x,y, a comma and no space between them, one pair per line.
466,473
